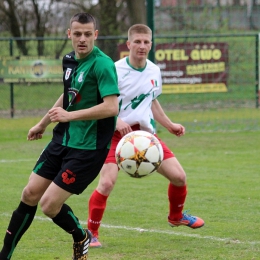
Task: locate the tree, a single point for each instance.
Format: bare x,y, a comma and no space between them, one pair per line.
236,2
136,10
14,22
107,17
28,18
39,18
250,4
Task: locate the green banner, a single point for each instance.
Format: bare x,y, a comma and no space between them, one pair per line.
30,69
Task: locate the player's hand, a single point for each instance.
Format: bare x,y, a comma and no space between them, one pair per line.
58,114
123,127
35,133
177,129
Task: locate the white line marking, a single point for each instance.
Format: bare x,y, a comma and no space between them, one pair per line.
15,161
230,240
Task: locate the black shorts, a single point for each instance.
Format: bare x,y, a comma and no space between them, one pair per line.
71,169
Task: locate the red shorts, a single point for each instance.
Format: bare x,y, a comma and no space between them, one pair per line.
117,137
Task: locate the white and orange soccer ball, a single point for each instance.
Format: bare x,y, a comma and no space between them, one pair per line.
139,154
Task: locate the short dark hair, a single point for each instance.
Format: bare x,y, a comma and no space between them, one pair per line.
83,18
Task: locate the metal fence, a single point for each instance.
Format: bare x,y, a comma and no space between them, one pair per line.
240,74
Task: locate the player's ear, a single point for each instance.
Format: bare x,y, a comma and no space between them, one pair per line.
69,33
128,44
96,34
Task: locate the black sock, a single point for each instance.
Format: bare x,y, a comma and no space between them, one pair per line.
20,221
70,223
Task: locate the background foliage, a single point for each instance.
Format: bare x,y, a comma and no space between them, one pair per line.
38,18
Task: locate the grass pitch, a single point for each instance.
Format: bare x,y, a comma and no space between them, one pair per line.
223,188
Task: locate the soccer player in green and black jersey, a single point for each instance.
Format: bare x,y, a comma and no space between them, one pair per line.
86,116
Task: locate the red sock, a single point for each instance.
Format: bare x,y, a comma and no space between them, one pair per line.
176,196
96,208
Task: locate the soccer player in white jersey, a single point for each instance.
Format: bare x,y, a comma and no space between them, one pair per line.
140,84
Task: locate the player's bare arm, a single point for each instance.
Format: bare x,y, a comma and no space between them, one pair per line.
108,108
37,131
123,127
164,120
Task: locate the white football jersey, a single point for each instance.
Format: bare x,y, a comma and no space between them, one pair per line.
138,88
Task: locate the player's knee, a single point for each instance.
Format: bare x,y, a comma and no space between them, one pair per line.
49,208
30,196
106,186
107,179
179,179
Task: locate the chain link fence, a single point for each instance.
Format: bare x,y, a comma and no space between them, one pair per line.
231,83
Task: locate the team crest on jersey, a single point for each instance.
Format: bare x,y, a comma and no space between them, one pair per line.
74,96
67,74
80,79
154,82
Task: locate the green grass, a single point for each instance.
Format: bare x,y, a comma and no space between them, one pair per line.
223,188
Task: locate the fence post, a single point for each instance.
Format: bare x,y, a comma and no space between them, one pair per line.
150,23
11,84
257,85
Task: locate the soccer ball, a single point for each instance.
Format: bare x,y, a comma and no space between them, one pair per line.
139,153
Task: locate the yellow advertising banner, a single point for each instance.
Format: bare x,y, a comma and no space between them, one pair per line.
194,88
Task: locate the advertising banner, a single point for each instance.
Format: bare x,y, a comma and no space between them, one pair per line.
30,69
190,67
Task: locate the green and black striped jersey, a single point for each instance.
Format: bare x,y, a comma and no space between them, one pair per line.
86,82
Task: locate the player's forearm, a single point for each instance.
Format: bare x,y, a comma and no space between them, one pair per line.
159,115
59,102
163,120
45,121
106,109
93,113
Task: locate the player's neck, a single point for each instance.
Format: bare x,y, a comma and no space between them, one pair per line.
137,63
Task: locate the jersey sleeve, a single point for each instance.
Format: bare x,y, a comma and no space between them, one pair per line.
106,76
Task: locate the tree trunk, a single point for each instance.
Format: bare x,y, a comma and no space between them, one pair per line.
108,25
10,12
137,11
